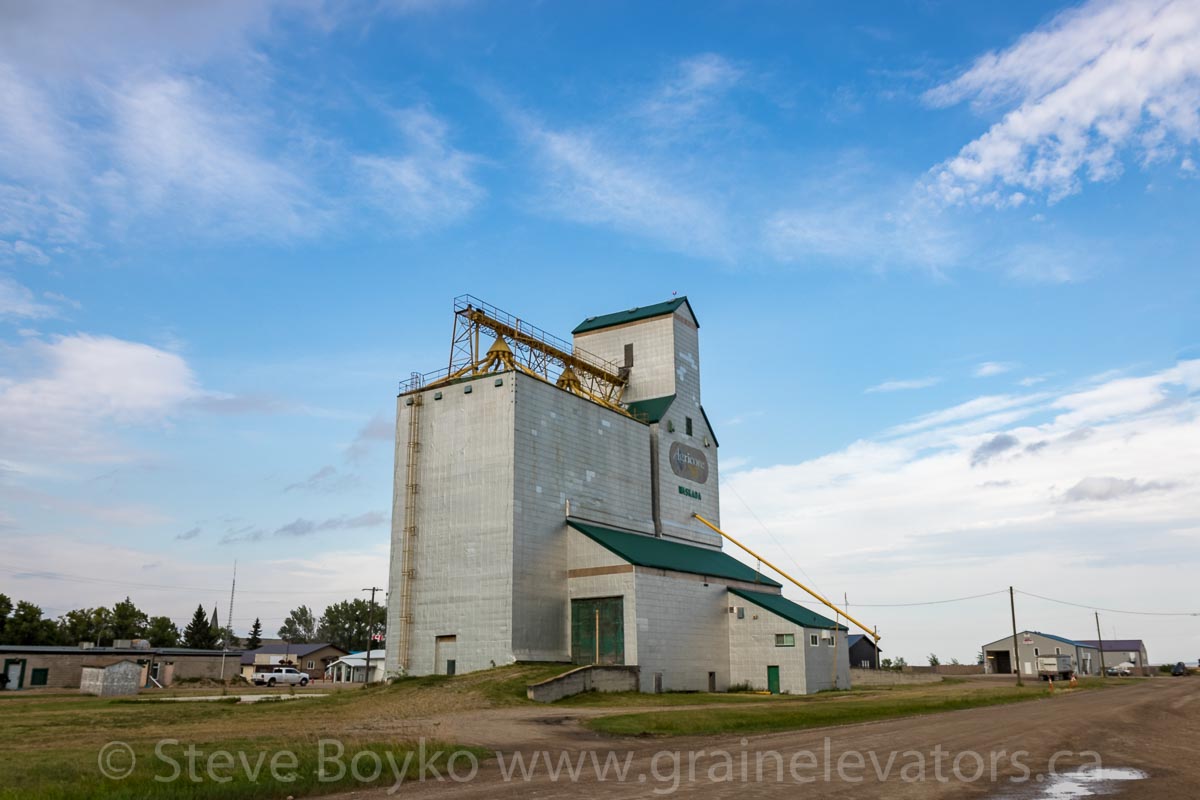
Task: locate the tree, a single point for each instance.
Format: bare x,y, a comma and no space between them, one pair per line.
300,627
161,632
199,632
27,626
254,640
980,658
228,639
128,621
934,660
954,662
215,625
350,624
899,664
6,607
77,626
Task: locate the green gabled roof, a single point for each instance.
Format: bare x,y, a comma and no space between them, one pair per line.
642,550
632,315
651,410
793,612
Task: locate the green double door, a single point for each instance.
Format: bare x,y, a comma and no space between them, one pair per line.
598,630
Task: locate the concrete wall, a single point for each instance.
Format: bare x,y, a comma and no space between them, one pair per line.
677,508
116,680
653,373
666,360
566,449
584,679
948,669
803,668
496,468
464,547
682,631
886,677
752,649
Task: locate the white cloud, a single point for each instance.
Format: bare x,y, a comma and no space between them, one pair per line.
65,38
904,385
989,368
1042,262
18,302
1097,82
1095,512
863,219
587,182
181,148
430,186
693,90
78,386
145,119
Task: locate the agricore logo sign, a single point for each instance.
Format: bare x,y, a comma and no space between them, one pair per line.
688,462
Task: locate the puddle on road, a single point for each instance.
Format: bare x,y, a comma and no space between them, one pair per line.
1090,782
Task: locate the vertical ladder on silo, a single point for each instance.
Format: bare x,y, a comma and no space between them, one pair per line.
409,572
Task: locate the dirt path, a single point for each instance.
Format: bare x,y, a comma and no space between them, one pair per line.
1152,727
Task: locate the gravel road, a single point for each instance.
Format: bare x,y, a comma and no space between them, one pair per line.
1144,736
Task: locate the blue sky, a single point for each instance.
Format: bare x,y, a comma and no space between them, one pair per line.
943,257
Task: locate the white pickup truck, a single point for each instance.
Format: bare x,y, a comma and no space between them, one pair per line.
274,675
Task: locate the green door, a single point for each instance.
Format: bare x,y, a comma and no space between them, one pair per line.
598,630
773,680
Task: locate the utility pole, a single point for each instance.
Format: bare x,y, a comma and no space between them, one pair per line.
370,628
228,621
1012,604
1100,641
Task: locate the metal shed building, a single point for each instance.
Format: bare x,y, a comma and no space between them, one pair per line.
999,658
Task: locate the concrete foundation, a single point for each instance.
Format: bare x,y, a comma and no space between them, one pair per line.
584,679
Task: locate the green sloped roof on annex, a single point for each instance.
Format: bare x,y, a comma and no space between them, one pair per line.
793,612
632,315
650,551
650,410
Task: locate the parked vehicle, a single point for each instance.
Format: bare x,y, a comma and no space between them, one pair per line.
274,675
1179,669
1055,668
1122,672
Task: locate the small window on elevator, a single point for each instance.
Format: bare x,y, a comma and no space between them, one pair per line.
687,425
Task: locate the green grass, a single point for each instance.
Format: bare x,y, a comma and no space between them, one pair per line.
814,711
301,768
53,739
53,742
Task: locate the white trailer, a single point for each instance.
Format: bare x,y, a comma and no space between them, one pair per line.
1057,667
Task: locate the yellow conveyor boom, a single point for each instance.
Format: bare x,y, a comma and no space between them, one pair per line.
869,631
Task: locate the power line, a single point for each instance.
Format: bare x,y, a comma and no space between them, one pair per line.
729,485
1114,610
932,602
